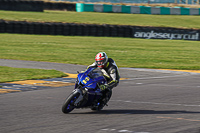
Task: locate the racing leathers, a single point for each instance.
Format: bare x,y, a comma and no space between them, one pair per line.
110,72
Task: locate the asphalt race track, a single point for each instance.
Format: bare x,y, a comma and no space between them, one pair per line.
147,102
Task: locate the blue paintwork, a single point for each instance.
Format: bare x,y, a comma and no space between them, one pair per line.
89,79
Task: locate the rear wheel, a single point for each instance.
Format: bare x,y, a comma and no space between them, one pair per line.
103,102
68,105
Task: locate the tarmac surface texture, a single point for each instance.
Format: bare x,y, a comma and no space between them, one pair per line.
145,101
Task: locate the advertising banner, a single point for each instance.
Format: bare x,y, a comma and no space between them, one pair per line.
166,33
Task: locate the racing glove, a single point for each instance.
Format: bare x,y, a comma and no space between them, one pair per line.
103,87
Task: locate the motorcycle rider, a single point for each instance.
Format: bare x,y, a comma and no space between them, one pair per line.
110,72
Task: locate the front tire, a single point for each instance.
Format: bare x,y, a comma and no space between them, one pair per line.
68,105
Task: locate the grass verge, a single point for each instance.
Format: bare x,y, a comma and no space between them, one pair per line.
177,21
8,74
127,52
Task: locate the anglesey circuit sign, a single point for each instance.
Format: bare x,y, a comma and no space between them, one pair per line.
178,35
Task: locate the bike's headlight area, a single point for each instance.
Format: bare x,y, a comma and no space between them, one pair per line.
87,88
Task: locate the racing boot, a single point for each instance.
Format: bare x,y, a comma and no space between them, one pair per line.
105,98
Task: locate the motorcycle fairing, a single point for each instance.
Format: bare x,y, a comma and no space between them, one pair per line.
89,80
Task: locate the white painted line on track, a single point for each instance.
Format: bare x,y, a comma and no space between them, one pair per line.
155,103
159,77
121,130
162,71
161,117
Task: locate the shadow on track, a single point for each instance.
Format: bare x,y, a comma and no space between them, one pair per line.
130,111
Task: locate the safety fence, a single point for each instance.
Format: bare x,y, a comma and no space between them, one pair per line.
82,7
73,29
40,6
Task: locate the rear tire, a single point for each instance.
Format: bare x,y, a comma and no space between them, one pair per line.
102,104
68,105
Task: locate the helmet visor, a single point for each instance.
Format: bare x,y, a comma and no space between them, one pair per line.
101,62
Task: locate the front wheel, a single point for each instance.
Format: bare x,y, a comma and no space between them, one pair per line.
68,105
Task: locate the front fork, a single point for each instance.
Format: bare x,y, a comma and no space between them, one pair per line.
79,98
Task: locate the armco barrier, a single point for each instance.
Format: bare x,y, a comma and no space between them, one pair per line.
21,5
82,7
73,29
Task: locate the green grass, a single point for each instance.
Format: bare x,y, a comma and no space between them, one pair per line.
8,74
127,52
178,21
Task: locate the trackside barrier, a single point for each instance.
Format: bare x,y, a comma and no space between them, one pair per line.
59,6
34,5
21,5
73,29
81,7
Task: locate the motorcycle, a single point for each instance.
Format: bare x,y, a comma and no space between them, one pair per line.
87,93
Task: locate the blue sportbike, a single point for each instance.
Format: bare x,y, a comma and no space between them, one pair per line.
87,93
